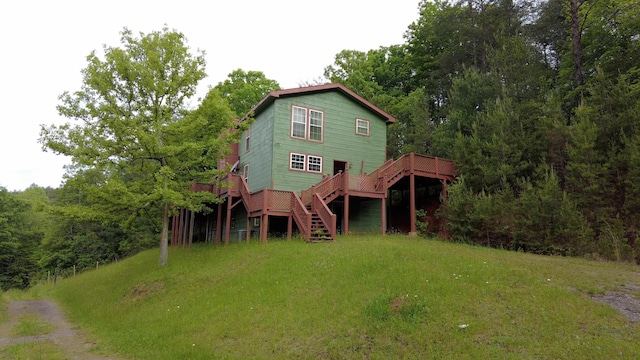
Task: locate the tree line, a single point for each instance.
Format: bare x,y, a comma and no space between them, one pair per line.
536,102
538,105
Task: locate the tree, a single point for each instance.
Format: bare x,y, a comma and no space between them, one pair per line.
245,89
133,127
18,242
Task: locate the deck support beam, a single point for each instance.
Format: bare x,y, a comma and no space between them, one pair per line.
412,204
264,226
219,224
383,219
192,218
228,222
345,216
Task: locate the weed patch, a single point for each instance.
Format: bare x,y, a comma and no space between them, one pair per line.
31,325
30,351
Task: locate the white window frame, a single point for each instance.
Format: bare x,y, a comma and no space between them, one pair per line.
358,127
311,162
296,113
316,126
302,160
247,140
295,120
245,173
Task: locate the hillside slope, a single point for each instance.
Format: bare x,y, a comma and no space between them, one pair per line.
360,297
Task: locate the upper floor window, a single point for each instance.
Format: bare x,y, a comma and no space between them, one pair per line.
362,127
247,141
307,124
246,172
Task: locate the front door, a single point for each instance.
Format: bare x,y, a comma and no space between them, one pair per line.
339,166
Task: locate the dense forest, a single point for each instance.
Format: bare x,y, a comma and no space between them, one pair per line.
537,103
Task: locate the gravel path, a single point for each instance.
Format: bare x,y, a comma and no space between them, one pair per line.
69,340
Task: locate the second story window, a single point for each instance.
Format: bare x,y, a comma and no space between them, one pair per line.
362,127
307,124
247,141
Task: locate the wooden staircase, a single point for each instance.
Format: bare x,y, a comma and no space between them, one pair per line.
319,231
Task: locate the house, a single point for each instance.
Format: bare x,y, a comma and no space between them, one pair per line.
314,160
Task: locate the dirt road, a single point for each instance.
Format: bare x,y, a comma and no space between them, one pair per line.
70,341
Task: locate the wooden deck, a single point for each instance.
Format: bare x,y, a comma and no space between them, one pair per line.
309,210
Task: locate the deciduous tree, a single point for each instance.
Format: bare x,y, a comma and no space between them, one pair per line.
132,124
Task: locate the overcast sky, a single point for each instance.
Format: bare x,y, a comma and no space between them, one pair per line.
45,44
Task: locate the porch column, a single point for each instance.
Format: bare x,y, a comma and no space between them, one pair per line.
228,222
289,226
192,218
443,224
384,215
219,224
345,216
264,227
248,235
412,204
174,228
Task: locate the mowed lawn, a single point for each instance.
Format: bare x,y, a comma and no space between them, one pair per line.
360,297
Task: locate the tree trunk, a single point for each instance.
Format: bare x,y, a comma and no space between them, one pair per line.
164,236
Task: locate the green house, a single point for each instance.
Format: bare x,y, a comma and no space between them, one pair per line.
314,161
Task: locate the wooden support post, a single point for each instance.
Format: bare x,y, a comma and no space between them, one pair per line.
443,224
228,222
384,215
248,235
219,224
174,229
180,227
264,227
192,218
412,204
289,226
345,216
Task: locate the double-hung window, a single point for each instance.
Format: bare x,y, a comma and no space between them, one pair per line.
303,162
362,127
299,123
247,139
307,124
297,161
314,164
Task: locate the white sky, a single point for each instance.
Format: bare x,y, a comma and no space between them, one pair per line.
45,44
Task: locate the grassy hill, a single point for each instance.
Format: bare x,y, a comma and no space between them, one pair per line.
381,297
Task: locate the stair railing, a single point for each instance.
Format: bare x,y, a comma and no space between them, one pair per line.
301,216
328,218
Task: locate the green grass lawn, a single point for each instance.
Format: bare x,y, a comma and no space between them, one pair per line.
378,297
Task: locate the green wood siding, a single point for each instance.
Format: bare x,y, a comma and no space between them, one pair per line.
260,155
365,216
340,140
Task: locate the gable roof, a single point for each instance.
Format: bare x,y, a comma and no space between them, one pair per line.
272,96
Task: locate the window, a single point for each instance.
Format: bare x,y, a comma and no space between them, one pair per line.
315,164
315,125
303,162
306,124
246,141
297,161
246,172
299,123
362,127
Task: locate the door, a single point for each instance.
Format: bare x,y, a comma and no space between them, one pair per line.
339,166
